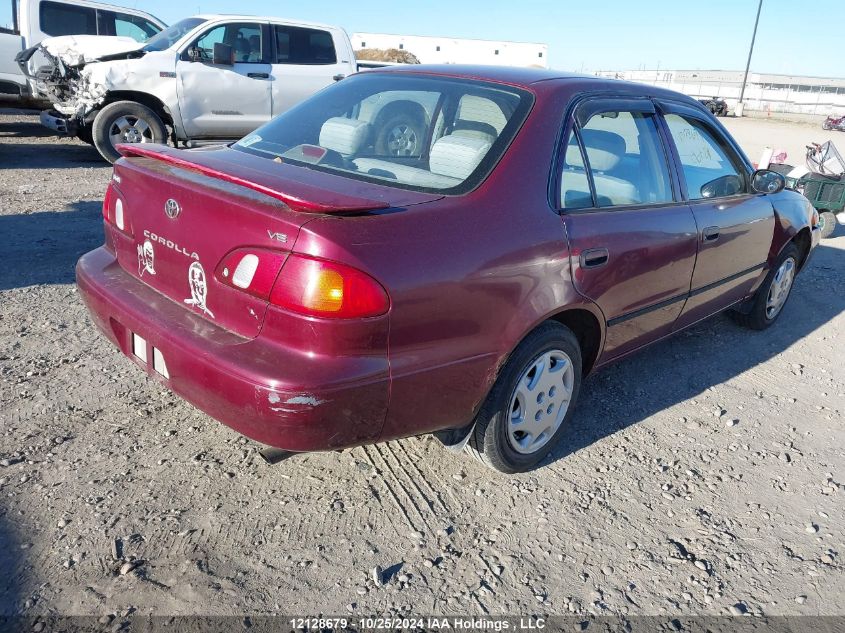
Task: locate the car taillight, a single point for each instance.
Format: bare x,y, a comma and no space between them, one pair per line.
322,288
113,209
252,270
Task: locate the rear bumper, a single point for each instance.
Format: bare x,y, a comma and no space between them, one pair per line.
251,385
57,122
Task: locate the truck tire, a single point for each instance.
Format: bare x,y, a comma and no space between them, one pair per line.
827,223
400,131
126,122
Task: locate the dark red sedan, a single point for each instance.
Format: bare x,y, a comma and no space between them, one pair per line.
436,250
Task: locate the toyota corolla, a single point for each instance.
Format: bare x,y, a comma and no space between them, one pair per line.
339,278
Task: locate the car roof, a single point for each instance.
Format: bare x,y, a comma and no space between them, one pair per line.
526,77
514,75
263,18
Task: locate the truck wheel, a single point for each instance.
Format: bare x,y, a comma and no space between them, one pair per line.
771,296
827,223
400,133
126,122
524,415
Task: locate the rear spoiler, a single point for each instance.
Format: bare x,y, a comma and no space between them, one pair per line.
304,198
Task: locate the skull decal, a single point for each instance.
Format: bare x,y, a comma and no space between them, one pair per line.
146,258
199,288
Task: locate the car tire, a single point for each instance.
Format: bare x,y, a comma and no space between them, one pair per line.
827,224
538,385
126,122
400,133
827,126
768,302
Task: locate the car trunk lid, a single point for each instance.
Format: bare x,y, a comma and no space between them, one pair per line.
185,213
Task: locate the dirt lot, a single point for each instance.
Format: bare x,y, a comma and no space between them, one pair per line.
703,476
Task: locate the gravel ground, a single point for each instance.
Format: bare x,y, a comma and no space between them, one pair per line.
704,476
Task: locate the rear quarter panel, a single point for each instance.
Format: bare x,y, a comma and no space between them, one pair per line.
469,276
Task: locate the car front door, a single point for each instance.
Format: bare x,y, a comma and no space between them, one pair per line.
632,239
225,100
735,225
305,60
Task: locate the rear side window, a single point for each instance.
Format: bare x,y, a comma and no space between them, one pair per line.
709,170
626,161
125,25
64,19
298,45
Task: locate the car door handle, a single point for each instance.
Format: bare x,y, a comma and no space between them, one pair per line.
258,75
710,234
594,257
339,76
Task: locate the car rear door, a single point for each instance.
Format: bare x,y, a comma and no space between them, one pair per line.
225,101
632,238
735,225
305,60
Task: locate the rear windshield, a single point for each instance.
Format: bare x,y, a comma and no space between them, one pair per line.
413,132
172,34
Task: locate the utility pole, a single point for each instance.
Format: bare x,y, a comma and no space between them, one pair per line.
750,52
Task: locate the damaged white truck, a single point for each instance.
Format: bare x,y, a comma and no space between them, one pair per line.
205,78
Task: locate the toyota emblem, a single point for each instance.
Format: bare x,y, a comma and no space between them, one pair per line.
171,208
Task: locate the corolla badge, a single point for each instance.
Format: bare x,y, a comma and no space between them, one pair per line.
199,288
146,258
172,208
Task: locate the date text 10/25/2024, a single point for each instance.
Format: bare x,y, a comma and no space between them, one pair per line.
456,623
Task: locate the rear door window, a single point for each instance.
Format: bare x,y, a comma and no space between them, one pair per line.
709,168
125,25
58,18
299,45
626,160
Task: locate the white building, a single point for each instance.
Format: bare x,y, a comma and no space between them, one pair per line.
768,93
449,50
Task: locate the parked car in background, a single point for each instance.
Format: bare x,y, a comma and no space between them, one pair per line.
834,123
717,106
315,290
34,20
208,77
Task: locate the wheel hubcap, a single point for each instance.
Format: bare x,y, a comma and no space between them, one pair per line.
130,129
402,141
540,401
779,290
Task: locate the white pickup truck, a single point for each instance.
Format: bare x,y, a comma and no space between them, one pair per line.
31,21
208,77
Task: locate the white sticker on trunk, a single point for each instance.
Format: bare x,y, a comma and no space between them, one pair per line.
199,288
146,258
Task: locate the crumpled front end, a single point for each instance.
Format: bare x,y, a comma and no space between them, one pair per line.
64,71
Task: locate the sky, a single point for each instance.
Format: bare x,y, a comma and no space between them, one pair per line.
591,35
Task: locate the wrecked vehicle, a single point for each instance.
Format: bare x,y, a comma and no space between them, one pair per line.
315,290
205,78
34,20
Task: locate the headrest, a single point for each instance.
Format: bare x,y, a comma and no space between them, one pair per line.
457,156
604,150
343,135
475,129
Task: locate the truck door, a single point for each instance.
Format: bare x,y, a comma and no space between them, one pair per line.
632,239
225,100
735,225
305,61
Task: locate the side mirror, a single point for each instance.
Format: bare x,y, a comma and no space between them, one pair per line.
224,55
194,54
767,181
728,185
